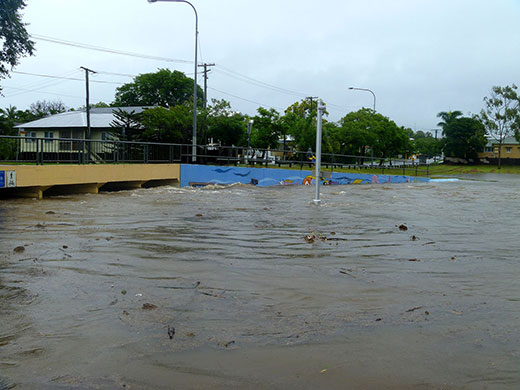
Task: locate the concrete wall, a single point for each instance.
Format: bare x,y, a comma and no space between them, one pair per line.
35,180
200,175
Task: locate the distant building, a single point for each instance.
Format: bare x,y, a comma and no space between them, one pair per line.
510,152
70,125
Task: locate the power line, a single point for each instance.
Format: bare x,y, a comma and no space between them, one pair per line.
247,100
47,93
106,50
65,78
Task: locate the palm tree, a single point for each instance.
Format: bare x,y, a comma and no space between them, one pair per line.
447,117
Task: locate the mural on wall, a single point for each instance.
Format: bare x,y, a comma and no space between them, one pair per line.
202,175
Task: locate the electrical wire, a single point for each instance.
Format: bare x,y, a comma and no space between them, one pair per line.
66,78
247,100
107,50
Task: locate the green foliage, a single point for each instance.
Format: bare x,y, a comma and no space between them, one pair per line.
169,125
267,129
127,126
447,117
224,124
299,122
163,88
364,129
501,116
427,145
464,138
13,36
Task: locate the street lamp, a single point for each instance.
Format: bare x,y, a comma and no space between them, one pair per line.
194,147
368,90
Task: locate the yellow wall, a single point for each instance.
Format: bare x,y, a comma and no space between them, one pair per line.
33,180
514,151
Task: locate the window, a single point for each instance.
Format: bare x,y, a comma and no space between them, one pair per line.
105,136
508,149
31,135
488,149
48,136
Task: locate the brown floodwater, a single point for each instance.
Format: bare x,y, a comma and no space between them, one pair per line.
90,284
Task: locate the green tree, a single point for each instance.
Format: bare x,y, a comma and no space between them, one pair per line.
224,124
427,145
43,108
13,36
163,88
366,130
169,125
127,125
299,122
447,117
501,116
267,129
464,138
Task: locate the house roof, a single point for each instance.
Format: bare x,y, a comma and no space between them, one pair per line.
506,141
99,118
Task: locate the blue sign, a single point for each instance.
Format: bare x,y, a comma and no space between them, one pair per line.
2,179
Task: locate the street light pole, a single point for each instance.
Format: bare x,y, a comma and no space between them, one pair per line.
368,90
194,147
321,111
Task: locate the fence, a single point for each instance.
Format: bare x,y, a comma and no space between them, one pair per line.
33,150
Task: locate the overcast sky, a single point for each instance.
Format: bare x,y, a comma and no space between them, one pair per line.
418,56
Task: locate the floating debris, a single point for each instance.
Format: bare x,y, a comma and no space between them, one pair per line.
123,292
310,238
414,260
227,344
378,319
190,334
199,215
171,332
402,227
427,312
453,258
50,212
149,306
414,309
19,249
414,238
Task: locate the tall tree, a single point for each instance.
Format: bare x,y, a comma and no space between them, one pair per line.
267,129
447,117
224,124
171,125
501,116
163,88
43,108
464,138
126,125
13,36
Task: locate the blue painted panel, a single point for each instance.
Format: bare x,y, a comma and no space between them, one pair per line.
2,179
200,175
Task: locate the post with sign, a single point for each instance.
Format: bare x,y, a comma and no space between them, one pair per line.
321,110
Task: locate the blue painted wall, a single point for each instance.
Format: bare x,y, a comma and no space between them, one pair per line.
200,175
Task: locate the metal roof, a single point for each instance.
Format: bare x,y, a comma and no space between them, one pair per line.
99,118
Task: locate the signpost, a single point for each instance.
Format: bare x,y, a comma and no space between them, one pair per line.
10,179
2,179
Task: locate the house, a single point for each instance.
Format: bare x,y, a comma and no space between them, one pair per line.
510,151
69,125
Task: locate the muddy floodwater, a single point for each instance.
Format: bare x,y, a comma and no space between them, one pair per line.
405,286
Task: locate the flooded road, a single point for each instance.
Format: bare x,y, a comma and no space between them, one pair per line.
90,284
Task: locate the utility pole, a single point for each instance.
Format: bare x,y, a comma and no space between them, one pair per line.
311,98
87,72
321,111
206,71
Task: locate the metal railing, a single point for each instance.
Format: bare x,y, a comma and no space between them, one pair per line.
34,150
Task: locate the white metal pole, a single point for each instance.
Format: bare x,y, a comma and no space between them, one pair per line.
321,110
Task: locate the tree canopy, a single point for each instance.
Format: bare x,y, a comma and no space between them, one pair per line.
163,88
13,35
501,116
464,138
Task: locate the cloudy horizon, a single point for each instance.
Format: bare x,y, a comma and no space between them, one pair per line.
419,57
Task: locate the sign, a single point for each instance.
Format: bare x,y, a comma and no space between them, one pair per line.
2,179
10,179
